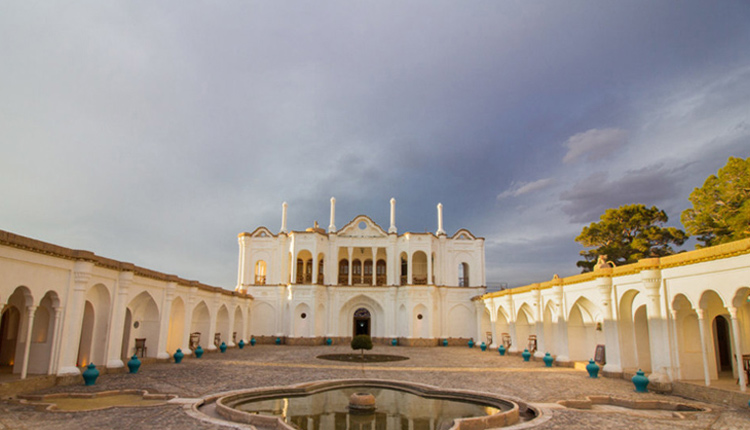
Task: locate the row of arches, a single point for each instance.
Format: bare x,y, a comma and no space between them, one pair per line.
707,335
364,270
31,332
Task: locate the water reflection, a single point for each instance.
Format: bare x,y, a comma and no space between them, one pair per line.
396,410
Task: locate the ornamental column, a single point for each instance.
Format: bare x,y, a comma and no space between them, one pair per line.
561,342
166,311
332,225
74,319
350,250
114,351
392,228
659,342
232,311
704,346
440,220
283,217
611,338
540,346
738,348
30,311
493,323
374,251
57,332
212,323
189,308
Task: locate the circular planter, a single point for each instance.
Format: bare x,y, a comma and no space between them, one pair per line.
134,364
90,374
178,356
593,369
198,352
548,360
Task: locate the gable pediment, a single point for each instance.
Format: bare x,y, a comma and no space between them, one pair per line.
463,234
362,226
262,232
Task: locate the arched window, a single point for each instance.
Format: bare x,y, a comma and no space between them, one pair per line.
380,270
356,272
343,272
367,279
404,269
260,273
321,277
300,271
463,275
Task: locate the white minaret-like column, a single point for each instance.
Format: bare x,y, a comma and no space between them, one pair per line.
283,217
440,220
332,225
392,228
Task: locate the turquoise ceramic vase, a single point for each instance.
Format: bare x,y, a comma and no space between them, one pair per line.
252,341
501,349
526,355
471,343
90,374
178,356
198,352
445,342
640,381
593,369
394,342
223,347
241,344
548,360
134,364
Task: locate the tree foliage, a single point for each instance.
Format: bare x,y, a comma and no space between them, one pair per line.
721,208
362,342
628,234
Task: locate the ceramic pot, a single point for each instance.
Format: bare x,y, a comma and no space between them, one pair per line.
134,364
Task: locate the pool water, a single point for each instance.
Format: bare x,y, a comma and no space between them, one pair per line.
395,410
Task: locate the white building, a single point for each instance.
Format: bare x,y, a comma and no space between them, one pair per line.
63,308
681,317
315,284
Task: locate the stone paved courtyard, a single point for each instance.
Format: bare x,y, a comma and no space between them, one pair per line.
454,367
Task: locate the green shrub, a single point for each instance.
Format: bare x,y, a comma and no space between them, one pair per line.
362,342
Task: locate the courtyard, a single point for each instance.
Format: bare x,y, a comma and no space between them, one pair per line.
452,367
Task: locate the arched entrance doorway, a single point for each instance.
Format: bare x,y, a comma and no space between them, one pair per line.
361,322
721,339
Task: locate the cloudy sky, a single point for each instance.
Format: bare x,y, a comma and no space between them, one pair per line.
155,132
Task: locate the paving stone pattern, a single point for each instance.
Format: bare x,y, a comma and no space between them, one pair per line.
451,367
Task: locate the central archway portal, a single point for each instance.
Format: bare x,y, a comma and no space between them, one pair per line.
361,322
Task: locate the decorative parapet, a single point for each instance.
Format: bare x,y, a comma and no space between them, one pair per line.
726,250
37,246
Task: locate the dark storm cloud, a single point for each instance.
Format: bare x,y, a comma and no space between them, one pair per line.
589,198
155,132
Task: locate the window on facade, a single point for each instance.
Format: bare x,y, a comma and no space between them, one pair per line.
463,275
260,273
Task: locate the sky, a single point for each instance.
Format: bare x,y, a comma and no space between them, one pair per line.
155,132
